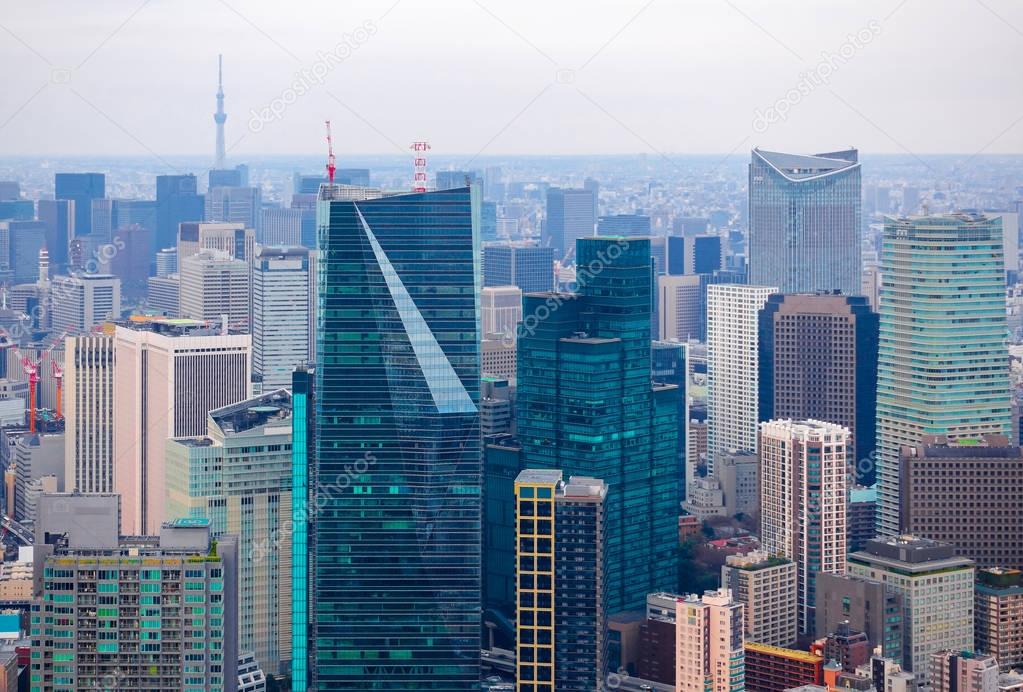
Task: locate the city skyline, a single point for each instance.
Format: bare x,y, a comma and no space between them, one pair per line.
332,357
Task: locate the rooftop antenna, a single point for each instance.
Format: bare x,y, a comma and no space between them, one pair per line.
419,165
330,155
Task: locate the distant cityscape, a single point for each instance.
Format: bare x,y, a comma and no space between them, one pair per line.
533,423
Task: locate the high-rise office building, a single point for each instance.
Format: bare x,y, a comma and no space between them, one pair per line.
59,217
818,359
669,364
177,201
942,361
238,477
501,310
624,225
82,301
978,512
25,240
280,227
358,177
488,222
163,295
963,671
529,267
570,215
709,650
89,413
732,375
936,588
586,406
701,254
228,177
766,585
680,307
234,205
280,314
396,545
499,357
168,375
82,188
803,501
167,261
131,212
17,209
447,180
214,285
561,602
997,614
236,239
152,612
804,221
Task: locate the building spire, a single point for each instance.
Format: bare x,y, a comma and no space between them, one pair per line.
220,116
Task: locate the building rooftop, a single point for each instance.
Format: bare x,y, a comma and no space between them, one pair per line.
245,415
987,447
798,167
538,476
781,652
910,554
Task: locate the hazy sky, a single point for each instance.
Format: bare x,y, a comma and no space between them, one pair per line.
513,77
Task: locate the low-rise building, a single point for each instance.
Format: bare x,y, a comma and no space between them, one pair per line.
766,586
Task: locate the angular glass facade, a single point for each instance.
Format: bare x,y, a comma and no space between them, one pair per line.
586,406
804,221
943,364
395,531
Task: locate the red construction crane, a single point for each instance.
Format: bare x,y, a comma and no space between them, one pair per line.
330,155
32,370
58,375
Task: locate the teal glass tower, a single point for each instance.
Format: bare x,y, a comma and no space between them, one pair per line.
586,406
943,364
394,530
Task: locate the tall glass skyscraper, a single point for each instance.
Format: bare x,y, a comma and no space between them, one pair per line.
395,529
804,221
943,364
586,406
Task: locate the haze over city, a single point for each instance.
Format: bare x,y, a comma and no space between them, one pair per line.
539,78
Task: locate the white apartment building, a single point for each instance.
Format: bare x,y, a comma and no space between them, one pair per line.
732,367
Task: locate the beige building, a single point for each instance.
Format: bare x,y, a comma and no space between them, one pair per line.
499,357
963,671
803,480
709,651
213,284
767,587
679,307
233,238
89,413
168,376
501,310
